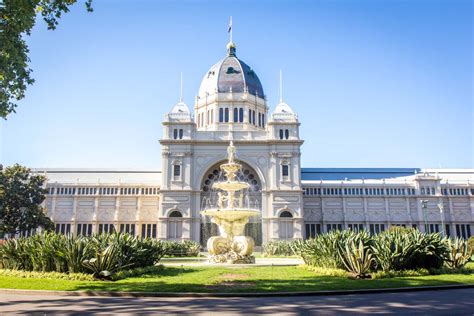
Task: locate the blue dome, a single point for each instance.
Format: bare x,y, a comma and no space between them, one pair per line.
231,74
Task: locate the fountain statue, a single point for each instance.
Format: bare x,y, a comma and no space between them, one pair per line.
230,214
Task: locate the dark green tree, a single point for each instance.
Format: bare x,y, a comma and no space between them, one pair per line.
21,195
17,18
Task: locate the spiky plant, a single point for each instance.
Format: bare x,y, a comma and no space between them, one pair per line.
357,257
459,253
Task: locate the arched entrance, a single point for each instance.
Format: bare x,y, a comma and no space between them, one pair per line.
254,193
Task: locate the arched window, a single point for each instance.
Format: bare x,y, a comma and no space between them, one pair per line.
287,134
285,225
181,133
286,214
177,214
236,115
281,134
175,133
175,225
263,120
250,116
241,115
221,115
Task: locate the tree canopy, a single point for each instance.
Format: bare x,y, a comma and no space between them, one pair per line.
17,18
21,195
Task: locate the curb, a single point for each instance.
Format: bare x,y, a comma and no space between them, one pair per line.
256,294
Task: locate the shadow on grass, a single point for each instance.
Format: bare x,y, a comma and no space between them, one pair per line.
160,283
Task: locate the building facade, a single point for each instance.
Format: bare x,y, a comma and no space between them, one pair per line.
295,202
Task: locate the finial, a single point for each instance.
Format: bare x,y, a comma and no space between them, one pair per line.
181,89
281,88
229,29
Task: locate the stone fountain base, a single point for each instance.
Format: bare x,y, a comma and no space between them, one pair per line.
236,250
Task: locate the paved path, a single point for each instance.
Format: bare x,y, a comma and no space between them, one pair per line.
445,302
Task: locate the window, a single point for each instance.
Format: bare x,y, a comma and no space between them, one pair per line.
176,170
181,133
128,228
356,227
84,229
253,117
285,225
287,134
312,230
263,120
148,230
259,120
447,230
241,115
285,171
226,115
106,228
236,115
463,230
333,227
64,229
250,116
434,228
175,225
376,228
221,115
281,134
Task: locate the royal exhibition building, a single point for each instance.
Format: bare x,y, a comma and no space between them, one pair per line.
295,201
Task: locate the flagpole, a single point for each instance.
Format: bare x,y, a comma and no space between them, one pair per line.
230,28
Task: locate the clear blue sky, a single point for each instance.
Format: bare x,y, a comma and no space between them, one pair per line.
375,83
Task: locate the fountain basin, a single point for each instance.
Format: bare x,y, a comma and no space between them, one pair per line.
231,186
231,222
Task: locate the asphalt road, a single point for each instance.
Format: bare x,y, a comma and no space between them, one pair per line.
445,302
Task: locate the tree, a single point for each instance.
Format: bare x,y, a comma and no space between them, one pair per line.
21,195
17,18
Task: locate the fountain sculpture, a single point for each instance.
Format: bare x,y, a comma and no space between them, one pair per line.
230,215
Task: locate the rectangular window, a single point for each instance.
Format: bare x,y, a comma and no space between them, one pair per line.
106,228
226,115
259,120
333,227
312,229
148,230
434,228
285,229
84,229
284,170
356,227
253,117
376,228
175,229
176,170
221,115
463,230
128,229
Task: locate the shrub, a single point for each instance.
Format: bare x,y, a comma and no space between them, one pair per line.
409,249
187,248
278,248
458,253
100,255
46,275
470,244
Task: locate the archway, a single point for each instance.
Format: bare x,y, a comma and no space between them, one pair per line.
254,193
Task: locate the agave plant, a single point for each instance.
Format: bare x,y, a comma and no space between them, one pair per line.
357,257
105,261
459,253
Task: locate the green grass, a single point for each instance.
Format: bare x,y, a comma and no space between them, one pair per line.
228,279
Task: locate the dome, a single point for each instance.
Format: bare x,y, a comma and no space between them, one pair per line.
282,107
180,107
231,74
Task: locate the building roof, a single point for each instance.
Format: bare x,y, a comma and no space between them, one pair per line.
317,174
100,176
231,74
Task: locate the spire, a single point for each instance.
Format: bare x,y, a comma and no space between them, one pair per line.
181,89
281,88
230,45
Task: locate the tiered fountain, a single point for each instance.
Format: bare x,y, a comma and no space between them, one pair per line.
230,215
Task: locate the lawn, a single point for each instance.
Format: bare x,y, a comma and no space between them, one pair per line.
229,279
